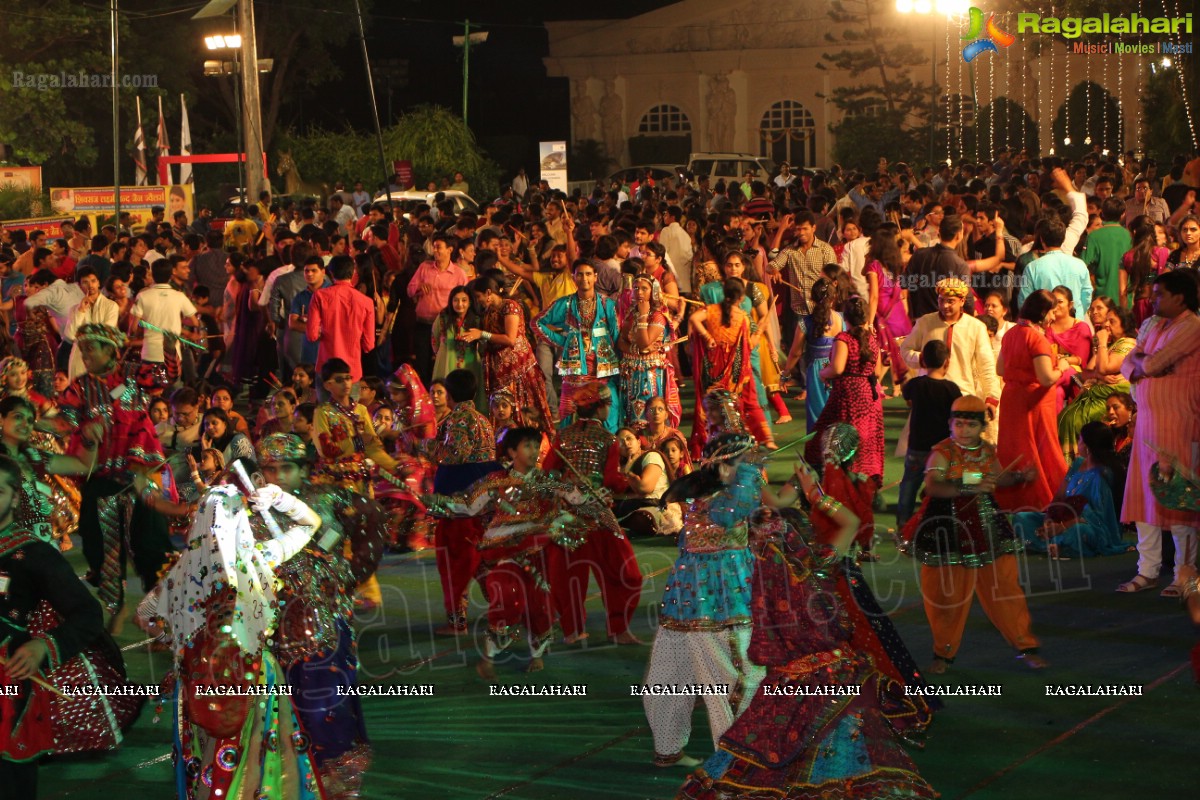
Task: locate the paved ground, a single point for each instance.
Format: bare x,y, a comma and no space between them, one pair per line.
464,744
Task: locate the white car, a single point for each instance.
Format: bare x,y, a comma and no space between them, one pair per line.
729,167
411,197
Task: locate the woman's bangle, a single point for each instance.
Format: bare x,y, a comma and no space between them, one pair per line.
828,505
485,336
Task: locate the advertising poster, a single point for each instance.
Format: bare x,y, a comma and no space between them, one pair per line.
21,178
51,225
552,156
97,201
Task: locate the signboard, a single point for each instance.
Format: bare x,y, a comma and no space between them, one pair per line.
404,171
97,201
552,156
51,225
21,178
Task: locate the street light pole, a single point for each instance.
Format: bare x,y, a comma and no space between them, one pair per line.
465,41
116,115
252,102
466,64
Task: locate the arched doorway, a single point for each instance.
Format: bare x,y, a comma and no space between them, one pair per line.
788,133
664,136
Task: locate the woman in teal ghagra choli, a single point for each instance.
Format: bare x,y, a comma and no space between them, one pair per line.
1070,531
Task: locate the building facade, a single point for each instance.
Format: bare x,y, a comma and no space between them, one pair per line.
746,77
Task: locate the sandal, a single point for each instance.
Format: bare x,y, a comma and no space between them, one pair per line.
679,758
1140,583
1032,659
1173,590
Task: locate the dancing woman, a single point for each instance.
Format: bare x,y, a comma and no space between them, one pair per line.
646,370
508,358
220,604
704,619
723,360
825,720
855,399
450,351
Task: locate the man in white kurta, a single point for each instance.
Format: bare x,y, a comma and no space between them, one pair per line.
972,362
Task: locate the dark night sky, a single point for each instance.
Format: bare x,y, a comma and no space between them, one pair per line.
512,102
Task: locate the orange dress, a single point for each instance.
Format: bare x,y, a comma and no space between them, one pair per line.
1028,423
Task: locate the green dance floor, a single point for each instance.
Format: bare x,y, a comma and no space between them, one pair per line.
464,743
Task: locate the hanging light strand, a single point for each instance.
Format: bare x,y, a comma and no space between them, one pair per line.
1183,88
1051,104
991,148
949,119
1067,102
962,123
1104,110
1007,82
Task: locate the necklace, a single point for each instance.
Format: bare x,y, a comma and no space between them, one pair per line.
587,310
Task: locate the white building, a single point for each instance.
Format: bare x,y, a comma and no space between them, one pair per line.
743,76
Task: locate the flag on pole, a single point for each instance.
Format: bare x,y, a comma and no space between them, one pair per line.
139,144
185,144
164,144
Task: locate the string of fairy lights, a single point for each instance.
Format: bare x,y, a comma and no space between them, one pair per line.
1041,98
949,119
1183,89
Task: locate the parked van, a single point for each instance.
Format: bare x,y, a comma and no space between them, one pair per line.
729,167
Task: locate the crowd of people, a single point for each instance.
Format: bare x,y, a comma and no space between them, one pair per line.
251,417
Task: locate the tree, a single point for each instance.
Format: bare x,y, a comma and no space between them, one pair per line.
882,98
587,160
62,40
434,139
1165,116
300,37
1088,125
1014,128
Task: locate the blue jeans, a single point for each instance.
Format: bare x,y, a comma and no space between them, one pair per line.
910,484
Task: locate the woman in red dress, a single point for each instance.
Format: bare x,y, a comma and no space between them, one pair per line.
853,371
508,358
1028,415
721,349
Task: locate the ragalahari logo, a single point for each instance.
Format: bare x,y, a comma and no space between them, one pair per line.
994,37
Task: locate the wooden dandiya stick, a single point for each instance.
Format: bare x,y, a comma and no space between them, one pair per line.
583,479
175,336
42,682
794,443
684,299
999,475
790,285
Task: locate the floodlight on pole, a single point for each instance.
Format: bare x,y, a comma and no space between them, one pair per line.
945,9
219,42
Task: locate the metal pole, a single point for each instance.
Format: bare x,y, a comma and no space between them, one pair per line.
466,64
116,116
241,140
251,102
362,36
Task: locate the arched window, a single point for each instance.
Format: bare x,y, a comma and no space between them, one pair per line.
787,132
664,120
